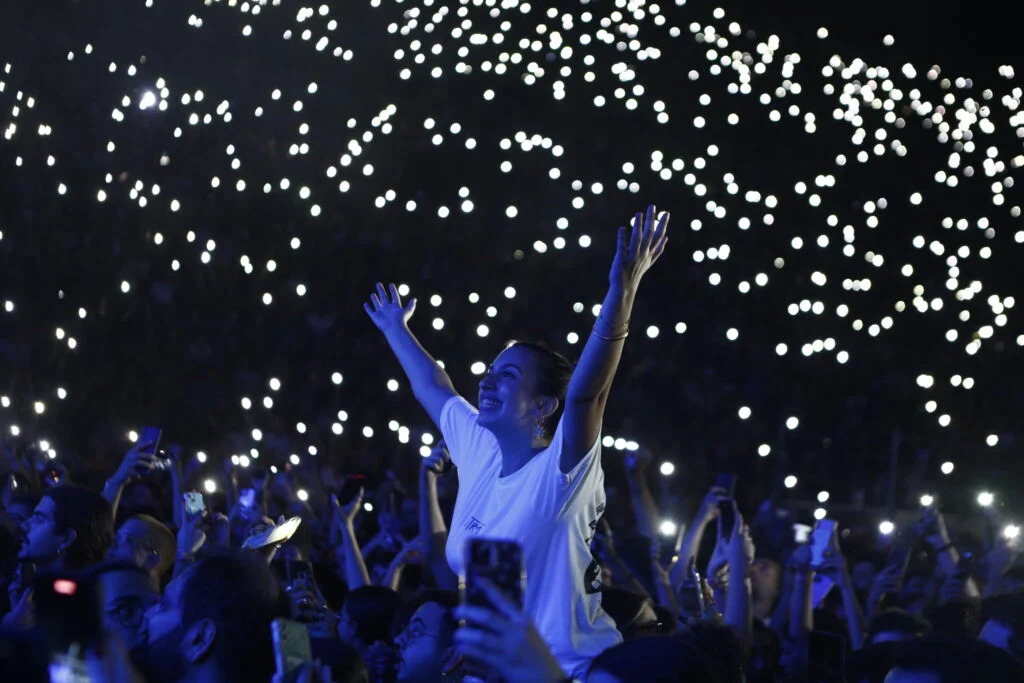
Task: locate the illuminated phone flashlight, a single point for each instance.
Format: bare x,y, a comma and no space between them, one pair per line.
985,499
65,587
927,500
210,486
1011,532
303,495
886,528
668,528
667,469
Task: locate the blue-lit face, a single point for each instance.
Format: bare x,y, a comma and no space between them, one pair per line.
507,401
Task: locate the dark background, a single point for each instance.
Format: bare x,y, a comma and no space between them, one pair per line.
184,346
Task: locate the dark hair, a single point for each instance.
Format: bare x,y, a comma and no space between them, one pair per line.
899,621
372,609
958,618
624,607
29,500
237,591
1008,610
705,652
90,516
447,599
959,661
160,538
553,374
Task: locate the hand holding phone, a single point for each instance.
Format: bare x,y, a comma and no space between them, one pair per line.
292,648
726,518
194,504
822,540
500,563
727,482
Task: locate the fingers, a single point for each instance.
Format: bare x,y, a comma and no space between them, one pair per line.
647,234
504,606
395,298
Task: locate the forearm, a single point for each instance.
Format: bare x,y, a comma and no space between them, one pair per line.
177,498
623,575
781,615
112,492
948,559
423,372
738,609
801,620
601,355
691,545
394,575
644,507
431,518
854,615
356,574
667,597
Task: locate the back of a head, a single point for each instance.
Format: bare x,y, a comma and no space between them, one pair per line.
372,609
958,661
623,606
899,623
237,591
161,539
957,618
651,659
90,516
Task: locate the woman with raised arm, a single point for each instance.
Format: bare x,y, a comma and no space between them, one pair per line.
528,456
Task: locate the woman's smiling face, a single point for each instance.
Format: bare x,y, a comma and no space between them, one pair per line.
506,400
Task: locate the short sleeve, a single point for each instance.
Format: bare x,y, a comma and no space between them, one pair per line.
582,482
471,446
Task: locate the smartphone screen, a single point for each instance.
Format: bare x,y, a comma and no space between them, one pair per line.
150,435
826,658
501,563
68,612
821,541
727,482
194,503
801,533
726,518
292,648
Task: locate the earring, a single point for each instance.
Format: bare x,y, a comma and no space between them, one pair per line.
538,431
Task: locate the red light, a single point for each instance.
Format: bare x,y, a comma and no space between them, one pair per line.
65,587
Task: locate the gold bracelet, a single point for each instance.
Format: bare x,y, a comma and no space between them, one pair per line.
609,339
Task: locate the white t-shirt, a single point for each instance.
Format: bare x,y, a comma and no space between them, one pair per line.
551,515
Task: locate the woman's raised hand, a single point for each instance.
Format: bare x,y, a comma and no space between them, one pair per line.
385,308
637,251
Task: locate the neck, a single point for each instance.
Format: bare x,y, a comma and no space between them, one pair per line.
207,673
52,566
517,450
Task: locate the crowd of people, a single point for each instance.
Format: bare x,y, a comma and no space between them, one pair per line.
179,600
509,560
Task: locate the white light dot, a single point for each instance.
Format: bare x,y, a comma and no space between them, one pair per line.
790,482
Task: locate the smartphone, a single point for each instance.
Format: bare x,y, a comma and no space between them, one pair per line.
275,535
247,498
68,613
965,565
727,482
194,504
292,648
726,517
821,541
150,435
501,563
801,533
826,657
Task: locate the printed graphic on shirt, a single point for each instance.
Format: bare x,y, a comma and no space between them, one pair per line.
592,578
474,525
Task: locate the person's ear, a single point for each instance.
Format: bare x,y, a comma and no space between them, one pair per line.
199,640
152,560
546,407
69,540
